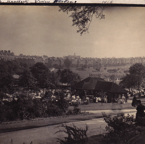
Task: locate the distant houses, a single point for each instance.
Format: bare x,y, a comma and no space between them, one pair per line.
76,61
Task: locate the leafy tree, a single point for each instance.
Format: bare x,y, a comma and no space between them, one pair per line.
58,72
67,76
6,78
27,79
138,72
67,63
6,83
112,77
128,81
135,78
137,69
82,15
3,68
41,73
54,78
97,66
62,103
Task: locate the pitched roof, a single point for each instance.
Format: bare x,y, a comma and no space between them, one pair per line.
88,83
93,83
109,87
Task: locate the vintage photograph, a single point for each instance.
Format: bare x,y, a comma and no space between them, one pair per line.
72,74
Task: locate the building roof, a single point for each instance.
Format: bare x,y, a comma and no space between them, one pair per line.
109,87
93,83
88,83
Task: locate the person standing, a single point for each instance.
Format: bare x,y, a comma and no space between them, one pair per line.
140,109
134,101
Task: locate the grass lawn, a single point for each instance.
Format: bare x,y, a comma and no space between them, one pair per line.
105,106
109,106
96,139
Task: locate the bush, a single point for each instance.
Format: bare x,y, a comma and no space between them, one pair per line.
120,129
75,135
27,108
140,121
76,110
53,110
62,103
70,112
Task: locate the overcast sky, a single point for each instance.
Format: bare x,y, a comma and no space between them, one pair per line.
43,30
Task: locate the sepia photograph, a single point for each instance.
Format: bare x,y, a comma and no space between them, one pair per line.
72,74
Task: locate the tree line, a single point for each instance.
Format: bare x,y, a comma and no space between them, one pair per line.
32,77
36,76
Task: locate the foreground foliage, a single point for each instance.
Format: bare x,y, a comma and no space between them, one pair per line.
27,108
120,129
75,135
82,15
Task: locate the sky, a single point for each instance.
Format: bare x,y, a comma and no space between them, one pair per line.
43,30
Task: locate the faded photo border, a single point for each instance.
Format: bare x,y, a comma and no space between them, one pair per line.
72,2
111,3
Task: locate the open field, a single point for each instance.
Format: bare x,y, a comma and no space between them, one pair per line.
103,72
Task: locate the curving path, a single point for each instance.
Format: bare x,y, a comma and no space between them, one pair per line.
46,135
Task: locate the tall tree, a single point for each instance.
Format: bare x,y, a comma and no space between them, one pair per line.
41,73
27,79
138,72
6,83
135,78
67,76
67,63
128,81
6,78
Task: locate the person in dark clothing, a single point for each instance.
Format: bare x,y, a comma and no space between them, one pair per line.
134,101
140,110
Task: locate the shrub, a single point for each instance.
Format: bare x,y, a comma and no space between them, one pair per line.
140,121
120,128
62,103
70,112
3,113
53,110
76,110
39,108
27,108
75,135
